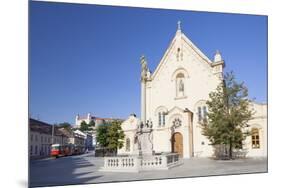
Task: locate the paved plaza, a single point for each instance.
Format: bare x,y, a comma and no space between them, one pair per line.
83,169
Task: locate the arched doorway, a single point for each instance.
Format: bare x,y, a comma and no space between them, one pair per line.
177,144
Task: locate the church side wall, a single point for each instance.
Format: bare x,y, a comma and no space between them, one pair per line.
259,122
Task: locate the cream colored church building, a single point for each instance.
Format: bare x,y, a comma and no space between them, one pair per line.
174,97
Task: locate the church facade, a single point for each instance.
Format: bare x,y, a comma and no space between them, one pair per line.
173,100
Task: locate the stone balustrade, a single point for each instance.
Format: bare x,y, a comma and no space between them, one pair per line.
121,163
173,159
141,163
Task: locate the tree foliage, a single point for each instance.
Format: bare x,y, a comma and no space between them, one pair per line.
64,125
228,114
92,124
110,136
116,136
102,136
84,127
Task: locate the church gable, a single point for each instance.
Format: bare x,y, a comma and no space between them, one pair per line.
182,49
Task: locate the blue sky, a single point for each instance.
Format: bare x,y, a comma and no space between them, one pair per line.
85,58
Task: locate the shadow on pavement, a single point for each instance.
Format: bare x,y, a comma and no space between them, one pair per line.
62,171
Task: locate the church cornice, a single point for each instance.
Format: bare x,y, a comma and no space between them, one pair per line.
218,63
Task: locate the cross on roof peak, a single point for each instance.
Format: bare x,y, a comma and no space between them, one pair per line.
179,25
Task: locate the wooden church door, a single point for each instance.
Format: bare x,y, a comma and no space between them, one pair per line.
177,143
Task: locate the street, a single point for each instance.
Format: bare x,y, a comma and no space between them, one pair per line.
83,169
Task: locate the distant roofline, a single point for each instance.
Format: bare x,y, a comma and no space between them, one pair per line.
98,118
39,121
43,127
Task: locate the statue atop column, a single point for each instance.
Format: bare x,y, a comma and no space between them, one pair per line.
144,69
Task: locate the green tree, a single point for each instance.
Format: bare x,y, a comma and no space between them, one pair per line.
65,125
115,136
84,126
228,114
91,125
102,136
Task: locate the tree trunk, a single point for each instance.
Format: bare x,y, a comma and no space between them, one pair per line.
115,152
230,149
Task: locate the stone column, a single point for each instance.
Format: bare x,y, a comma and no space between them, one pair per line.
144,70
143,102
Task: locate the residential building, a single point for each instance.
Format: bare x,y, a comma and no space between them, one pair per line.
41,139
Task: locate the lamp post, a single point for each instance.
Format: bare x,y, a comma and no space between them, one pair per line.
53,130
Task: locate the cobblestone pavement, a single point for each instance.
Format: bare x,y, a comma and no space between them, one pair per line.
83,169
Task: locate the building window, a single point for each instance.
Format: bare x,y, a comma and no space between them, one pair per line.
45,139
36,138
31,148
204,112
199,114
177,122
159,119
36,150
255,139
31,137
49,140
163,118
128,144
